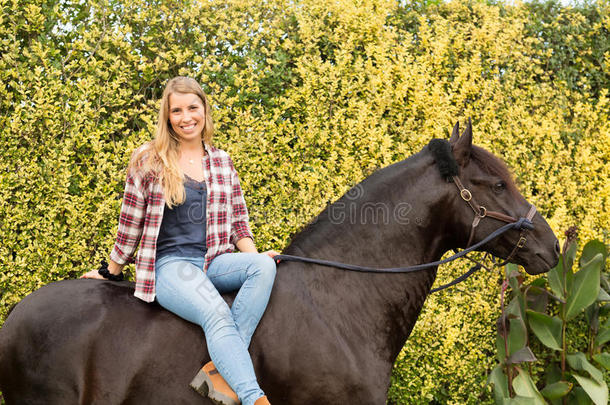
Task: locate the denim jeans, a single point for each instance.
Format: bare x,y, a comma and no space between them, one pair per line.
184,289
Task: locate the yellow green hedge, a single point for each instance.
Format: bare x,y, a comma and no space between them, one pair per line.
309,98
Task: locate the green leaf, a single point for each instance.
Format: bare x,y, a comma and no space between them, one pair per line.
515,281
522,355
592,249
511,270
557,390
578,396
546,328
603,295
537,298
524,387
578,361
519,400
501,349
540,282
592,316
513,308
499,381
602,337
517,335
570,255
555,277
597,391
603,359
585,288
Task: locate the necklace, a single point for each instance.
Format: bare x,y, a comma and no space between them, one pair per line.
192,160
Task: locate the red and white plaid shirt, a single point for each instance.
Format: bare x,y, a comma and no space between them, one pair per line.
142,213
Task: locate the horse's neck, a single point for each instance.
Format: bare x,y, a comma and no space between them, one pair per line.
403,232
394,218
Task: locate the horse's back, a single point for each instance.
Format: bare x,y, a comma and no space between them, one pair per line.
92,341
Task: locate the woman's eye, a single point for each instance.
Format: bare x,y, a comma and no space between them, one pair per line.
499,187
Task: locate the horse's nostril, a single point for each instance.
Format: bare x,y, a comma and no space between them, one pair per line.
557,246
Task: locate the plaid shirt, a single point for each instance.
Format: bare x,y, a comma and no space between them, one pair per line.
142,213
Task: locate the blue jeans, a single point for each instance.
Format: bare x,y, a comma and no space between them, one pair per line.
184,289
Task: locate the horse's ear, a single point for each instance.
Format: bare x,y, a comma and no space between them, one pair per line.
455,134
463,146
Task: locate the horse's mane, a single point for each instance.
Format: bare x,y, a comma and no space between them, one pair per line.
441,150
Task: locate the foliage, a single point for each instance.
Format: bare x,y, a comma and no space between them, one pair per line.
328,91
546,308
573,44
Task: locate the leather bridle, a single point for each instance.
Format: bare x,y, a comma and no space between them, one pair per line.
481,212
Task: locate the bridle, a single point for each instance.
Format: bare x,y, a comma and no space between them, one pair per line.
481,212
522,224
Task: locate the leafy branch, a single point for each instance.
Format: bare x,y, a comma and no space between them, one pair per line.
569,377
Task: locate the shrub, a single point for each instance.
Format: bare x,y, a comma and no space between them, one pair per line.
328,91
563,369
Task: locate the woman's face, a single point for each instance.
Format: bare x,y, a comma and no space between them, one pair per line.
186,115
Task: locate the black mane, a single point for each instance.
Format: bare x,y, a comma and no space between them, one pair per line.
441,150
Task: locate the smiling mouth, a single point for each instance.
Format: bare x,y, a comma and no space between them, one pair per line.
187,127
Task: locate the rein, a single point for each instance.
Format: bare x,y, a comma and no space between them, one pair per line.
522,224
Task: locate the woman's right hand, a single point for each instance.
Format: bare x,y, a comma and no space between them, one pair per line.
93,274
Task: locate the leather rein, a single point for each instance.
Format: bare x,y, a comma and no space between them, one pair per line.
522,224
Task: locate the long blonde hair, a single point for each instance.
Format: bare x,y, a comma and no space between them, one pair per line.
160,156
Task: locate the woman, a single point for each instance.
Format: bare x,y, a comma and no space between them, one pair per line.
183,205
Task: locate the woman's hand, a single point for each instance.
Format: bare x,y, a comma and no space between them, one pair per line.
272,254
93,274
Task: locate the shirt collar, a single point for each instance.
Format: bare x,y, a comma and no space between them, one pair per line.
207,148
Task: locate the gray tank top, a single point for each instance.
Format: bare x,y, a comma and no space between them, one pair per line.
183,229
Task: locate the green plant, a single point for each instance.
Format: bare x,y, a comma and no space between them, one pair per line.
564,372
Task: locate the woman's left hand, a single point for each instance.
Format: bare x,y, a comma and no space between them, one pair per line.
272,254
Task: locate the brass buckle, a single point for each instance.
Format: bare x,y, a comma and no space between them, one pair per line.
521,242
482,211
465,194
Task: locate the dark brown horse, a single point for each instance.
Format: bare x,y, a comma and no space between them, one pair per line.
329,336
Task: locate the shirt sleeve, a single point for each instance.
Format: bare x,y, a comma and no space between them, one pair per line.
131,221
240,227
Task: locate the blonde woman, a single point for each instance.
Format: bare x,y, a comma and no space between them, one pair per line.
183,206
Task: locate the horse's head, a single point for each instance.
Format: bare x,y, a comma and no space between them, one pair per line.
487,184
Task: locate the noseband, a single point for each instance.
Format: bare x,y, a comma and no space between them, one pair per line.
481,212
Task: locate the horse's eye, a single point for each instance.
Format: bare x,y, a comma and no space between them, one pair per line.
499,187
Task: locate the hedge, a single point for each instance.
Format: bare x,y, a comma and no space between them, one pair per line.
309,98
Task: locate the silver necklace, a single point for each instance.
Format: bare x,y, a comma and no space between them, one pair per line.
191,160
